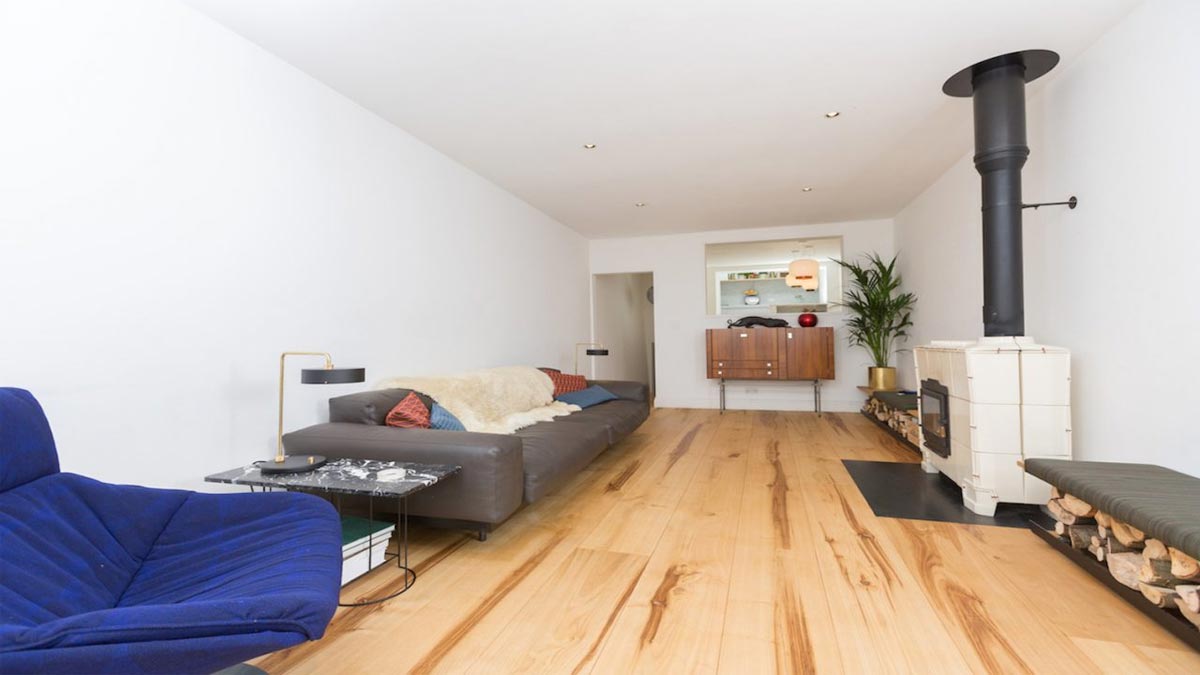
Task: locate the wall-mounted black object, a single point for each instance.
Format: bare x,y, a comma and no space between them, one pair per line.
1070,204
997,88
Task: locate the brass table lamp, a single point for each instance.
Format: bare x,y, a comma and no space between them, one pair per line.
327,375
593,349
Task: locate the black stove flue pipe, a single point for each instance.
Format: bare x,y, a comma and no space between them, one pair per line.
997,87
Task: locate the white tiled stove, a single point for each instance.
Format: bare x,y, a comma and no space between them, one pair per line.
1009,399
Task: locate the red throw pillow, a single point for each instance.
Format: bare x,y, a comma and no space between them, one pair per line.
409,413
564,383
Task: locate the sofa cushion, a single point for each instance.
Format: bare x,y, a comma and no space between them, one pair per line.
557,450
440,418
620,417
370,407
564,383
410,413
586,398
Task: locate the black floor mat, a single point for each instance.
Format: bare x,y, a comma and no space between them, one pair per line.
903,490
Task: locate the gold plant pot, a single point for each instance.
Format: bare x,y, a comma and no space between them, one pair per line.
883,379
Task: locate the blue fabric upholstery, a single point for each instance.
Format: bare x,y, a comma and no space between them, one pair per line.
26,444
586,398
440,418
114,578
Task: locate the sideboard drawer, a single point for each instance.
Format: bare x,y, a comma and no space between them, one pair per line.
760,364
743,373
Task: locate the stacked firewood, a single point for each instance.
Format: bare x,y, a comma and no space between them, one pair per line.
1166,576
902,422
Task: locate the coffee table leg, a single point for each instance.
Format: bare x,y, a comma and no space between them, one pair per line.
410,575
404,539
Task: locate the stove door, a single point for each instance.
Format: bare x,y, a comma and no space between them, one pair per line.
935,417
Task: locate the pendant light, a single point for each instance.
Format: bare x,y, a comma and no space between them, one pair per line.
804,272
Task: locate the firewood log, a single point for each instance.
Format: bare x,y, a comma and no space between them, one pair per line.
1081,535
1060,528
1155,550
1187,612
1157,573
1077,506
1190,595
1128,534
1124,568
1055,493
1104,519
1158,595
1097,550
1115,546
1183,565
1105,533
1064,516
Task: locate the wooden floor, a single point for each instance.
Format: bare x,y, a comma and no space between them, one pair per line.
737,543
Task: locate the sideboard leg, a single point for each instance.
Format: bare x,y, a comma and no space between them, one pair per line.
817,396
722,411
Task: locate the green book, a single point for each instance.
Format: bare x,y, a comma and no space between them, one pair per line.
355,529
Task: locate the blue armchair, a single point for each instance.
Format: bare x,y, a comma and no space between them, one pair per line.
100,578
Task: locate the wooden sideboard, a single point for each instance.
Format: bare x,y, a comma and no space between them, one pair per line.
787,354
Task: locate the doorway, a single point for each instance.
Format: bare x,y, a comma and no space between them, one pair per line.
623,320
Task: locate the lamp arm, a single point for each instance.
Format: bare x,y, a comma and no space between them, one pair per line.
283,357
583,344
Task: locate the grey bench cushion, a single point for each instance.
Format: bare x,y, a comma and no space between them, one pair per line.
1164,504
897,400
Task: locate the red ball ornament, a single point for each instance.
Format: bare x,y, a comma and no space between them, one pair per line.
807,320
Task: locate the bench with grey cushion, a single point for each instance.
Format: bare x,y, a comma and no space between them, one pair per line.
499,472
1164,504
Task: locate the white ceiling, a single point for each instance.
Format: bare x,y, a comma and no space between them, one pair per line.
709,111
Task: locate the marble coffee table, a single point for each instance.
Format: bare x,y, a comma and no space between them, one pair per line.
370,478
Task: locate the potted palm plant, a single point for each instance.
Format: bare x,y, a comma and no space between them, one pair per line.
880,314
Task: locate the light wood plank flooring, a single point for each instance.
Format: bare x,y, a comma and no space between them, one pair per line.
737,543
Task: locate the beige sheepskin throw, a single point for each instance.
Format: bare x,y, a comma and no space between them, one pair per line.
495,400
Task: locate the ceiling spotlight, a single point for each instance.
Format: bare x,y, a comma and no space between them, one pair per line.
639,204
806,189
832,114
589,146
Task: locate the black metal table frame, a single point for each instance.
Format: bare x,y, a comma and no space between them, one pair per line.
816,393
401,554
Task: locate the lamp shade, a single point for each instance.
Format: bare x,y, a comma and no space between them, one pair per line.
596,352
332,375
804,273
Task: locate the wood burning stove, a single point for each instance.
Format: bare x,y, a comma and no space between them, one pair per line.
935,417
1006,397
986,405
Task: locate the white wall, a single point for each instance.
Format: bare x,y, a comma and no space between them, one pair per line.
1115,279
177,207
680,317
624,323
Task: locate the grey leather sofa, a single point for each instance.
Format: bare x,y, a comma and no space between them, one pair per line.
499,472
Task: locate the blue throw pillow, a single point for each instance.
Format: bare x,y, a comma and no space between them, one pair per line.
440,418
586,398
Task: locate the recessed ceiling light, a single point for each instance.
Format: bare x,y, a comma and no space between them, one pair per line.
832,114
589,146
806,189
639,204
